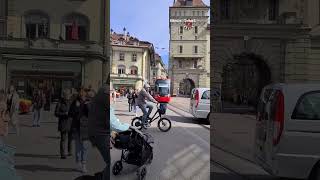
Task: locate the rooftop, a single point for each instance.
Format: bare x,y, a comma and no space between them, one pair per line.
189,3
127,39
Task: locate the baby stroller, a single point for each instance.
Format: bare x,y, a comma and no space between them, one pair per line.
136,150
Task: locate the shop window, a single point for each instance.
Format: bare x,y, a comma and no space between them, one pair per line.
37,25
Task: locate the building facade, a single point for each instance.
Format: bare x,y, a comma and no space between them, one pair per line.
189,63
158,69
130,61
3,17
260,42
55,44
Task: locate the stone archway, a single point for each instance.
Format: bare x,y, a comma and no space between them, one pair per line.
243,80
185,87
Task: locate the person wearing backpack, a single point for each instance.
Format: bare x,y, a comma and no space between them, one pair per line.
64,124
79,114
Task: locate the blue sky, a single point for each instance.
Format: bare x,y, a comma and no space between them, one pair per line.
147,20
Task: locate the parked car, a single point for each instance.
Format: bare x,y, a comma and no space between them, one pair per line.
200,103
288,131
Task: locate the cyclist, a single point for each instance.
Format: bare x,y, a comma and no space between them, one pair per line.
144,95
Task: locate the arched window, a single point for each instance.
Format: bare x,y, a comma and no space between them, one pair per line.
76,27
134,70
121,69
37,24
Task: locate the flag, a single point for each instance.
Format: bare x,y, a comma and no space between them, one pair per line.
74,31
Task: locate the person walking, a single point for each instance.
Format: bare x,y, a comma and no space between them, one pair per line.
99,128
64,124
4,117
37,104
134,104
79,113
13,109
130,100
114,96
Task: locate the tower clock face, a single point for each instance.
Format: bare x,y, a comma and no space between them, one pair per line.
188,24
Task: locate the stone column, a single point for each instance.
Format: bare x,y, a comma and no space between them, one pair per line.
3,74
93,74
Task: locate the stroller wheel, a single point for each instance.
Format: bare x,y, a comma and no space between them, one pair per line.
142,173
117,168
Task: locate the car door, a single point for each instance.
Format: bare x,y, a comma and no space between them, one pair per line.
204,104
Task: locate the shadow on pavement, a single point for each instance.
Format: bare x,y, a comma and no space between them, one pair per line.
34,168
37,156
188,120
122,114
52,137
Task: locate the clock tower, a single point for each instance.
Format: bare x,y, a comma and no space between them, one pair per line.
189,63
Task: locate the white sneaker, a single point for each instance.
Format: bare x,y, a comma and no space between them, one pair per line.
79,166
84,168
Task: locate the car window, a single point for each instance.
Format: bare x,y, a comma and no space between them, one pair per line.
206,95
308,107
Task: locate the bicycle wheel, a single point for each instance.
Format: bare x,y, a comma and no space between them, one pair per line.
137,122
164,124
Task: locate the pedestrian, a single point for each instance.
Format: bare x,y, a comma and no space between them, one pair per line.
4,117
114,96
134,105
64,124
91,91
79,113
99,128
37,104
13,109
130,100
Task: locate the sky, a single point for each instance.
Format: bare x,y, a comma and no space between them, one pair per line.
148,20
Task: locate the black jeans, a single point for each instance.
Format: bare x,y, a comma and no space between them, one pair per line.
130,107
63,139
102,142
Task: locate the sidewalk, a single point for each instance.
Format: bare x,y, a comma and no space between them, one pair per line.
37,156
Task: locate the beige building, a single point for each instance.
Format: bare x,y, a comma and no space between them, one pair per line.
130,61
260,42
189,65
158,69
58,44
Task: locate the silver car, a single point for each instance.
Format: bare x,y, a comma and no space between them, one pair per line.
287,139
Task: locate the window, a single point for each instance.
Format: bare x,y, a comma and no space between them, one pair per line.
272,10
184,13
76,27
195,64
225,9
180,64
121,69
193,13
134,57
206,95
202,13
180,37
121,57
37,25
196,49
308,107
179,12
198,12
196,29
181,49
181,30
134,70
196,37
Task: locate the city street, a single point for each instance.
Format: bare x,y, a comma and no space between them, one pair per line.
37,155
232,148
181,153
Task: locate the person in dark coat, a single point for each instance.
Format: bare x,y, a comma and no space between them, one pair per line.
79,113
130,100
99,128
64,124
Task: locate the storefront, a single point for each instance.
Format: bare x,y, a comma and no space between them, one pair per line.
125,83
52,76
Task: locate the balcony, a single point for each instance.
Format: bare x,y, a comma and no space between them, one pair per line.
126,76
50,47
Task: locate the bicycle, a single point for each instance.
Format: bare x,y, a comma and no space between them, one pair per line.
162,121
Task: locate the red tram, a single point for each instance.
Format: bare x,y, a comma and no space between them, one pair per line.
162,90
